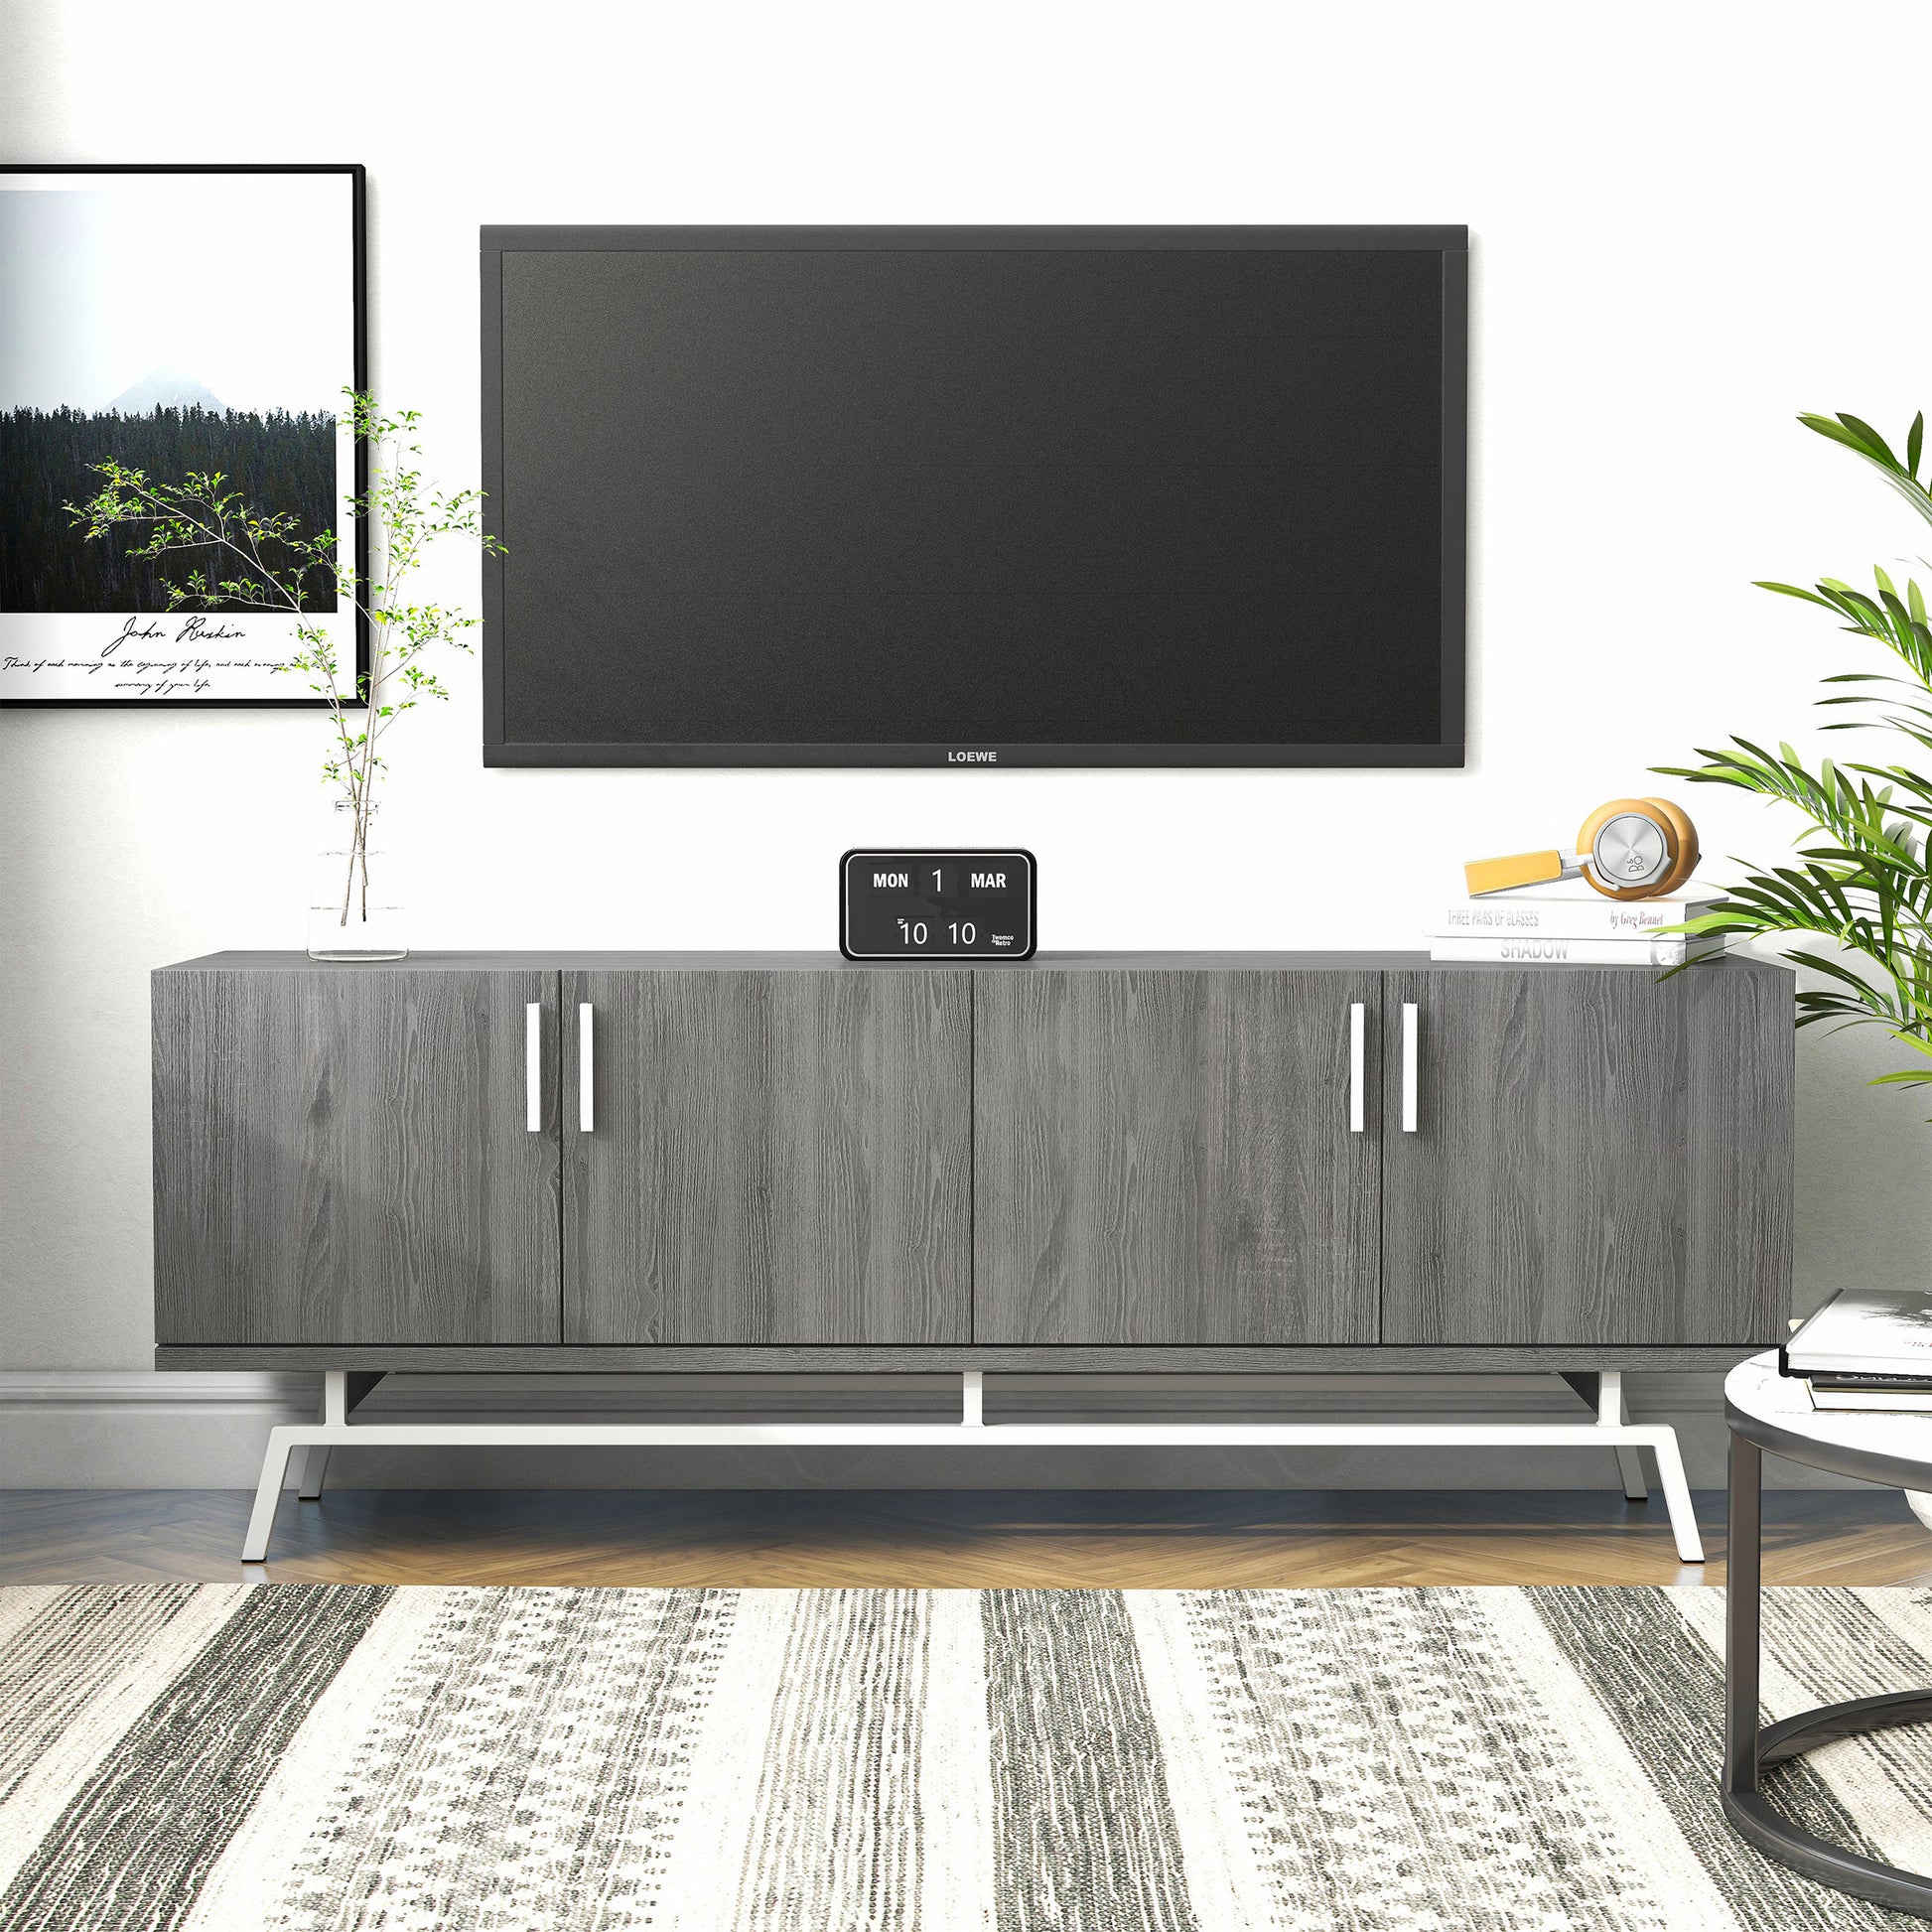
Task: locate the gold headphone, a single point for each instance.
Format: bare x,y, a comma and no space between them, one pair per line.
1631,848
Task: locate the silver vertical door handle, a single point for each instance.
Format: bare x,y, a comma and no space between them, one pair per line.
533,1066
586,1092
1411,1026
1357,1028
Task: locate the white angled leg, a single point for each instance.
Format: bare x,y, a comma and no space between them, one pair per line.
315,1472
1613,1413
1677,1495
268,1492
972,1397
312,1462
1610,1398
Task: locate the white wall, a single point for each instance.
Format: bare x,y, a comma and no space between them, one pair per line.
1690,221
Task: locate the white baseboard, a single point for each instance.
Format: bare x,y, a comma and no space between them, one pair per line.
139,1430
130,1429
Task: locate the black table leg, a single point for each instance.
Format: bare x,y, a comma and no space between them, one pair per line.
1744,1549
1746,1748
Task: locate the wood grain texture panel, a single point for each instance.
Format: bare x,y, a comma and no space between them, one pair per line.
775,1158
343,1156
1166,1157
1602,1157
1200,1360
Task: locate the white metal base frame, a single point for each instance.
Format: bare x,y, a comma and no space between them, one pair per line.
1612,1429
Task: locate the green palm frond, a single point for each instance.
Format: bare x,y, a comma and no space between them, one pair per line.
1864,883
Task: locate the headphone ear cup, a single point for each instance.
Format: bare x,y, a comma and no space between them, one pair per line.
1594,823
1685,861
1672,826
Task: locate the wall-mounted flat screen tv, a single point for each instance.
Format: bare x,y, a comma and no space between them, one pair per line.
974,496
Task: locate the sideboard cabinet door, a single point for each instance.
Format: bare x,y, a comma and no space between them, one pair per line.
1166,1156
342,1154
1596,1155
772,1156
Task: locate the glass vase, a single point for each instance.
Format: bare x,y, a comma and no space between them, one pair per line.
352,903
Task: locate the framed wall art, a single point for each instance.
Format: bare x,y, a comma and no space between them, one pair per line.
178,320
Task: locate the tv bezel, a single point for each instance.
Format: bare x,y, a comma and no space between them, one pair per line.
1451,243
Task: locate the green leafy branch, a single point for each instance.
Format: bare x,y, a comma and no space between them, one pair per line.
1864,883
270,564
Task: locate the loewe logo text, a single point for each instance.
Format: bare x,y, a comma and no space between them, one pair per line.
972,758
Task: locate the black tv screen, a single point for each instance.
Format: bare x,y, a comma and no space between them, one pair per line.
1086,497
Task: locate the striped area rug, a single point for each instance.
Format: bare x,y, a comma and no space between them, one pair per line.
505,1761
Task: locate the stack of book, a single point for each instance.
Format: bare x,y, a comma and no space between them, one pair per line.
1569,925
1867,1348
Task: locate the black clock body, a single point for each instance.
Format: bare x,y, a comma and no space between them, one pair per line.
938,905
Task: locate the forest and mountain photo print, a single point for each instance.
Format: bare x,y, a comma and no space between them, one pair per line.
165,320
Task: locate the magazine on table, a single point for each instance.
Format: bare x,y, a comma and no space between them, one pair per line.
1867,1348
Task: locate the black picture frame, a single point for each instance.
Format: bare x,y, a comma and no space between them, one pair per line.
1452,242
357,175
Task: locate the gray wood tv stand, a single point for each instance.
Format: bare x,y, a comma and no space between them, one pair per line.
1200,1162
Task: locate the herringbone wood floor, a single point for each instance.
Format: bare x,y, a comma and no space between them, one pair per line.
945,1539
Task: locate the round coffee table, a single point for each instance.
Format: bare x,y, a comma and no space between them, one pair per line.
1769,1410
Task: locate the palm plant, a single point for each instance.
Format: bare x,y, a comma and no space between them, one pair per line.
1864,880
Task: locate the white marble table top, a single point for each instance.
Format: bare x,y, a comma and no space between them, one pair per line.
1775,1412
